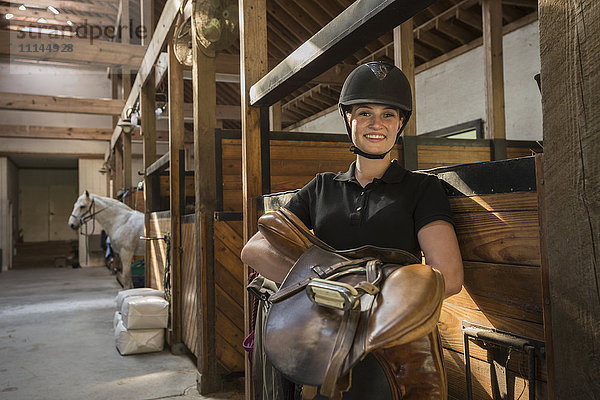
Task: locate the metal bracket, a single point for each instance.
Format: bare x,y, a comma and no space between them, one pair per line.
497,340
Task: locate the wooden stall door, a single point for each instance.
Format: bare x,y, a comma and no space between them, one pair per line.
498,234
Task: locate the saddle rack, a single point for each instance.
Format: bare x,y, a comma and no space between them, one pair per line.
501,344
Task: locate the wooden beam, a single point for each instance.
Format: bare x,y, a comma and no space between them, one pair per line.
71,50
64,6
176,189
494,75
357,25
147,104
147,19
570,86
526,20
204,95
253,66
404,58
118,182
53,132
76,105
32,16
146,68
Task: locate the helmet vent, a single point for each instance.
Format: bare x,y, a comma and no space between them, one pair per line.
380,69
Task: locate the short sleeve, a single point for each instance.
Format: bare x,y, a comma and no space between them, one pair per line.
432,204
300,204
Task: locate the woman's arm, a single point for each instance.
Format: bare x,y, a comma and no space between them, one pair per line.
440,246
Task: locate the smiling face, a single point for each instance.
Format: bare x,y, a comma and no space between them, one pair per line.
374,127
82,204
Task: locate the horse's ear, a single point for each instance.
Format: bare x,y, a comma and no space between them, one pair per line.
87,194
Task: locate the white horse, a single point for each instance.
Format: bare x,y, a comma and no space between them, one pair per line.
123,225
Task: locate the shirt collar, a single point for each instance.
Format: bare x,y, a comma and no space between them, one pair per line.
393,174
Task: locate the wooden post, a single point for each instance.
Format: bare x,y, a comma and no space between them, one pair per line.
491,11
205,118
570,85
126,137
146,16
276,110
176,133
118,183
404,58
148,105
253,66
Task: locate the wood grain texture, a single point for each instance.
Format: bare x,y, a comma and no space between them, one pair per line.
525,201
500,237
189,270
569,48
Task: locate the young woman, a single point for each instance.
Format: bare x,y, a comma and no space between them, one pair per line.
377,202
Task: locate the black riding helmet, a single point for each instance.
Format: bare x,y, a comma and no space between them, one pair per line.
376,82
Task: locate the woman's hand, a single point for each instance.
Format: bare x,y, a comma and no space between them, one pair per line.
440,246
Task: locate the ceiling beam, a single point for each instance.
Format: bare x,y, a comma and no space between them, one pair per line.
54,132
21,46
64,6
521,3
166,21
32,15
355,27
32,102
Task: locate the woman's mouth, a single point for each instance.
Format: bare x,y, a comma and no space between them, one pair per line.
376,137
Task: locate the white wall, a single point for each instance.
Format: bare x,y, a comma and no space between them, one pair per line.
54,80
453,92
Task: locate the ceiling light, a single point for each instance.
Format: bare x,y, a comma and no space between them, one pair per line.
9,16
42,21
22,8
54,10
69,23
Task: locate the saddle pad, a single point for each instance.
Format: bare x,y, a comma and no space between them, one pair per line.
300,335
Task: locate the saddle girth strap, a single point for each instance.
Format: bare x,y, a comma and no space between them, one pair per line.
346,334
322,273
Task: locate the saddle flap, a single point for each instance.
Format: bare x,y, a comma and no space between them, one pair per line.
299,334
407,307
283,235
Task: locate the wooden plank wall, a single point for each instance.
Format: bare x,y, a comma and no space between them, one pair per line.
160,224
499,240
294,163
229,294
189,322
229,280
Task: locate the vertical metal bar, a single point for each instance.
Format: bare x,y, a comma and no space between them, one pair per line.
531,357
468,368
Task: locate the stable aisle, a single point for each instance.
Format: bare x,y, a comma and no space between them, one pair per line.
56,342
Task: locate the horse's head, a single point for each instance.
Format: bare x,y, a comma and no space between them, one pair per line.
80,209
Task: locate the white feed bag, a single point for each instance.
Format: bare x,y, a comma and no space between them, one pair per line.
138,341
145,312
123,294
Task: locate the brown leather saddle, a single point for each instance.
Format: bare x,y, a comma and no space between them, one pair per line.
335,307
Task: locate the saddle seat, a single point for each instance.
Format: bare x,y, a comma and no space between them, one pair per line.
315,345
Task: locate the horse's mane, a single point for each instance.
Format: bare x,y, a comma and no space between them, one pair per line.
112,202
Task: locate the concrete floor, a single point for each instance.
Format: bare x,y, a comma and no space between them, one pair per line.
56,342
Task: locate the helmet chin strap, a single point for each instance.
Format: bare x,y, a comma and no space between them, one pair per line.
356,150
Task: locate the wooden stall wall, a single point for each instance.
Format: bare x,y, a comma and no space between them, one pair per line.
230,287
189,270
499,239
160,224
297,158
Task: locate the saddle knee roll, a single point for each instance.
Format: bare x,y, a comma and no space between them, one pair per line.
407,308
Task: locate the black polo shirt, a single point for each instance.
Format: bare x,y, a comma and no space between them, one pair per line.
388,212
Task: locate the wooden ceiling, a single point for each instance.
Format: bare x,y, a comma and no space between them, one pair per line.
445,27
